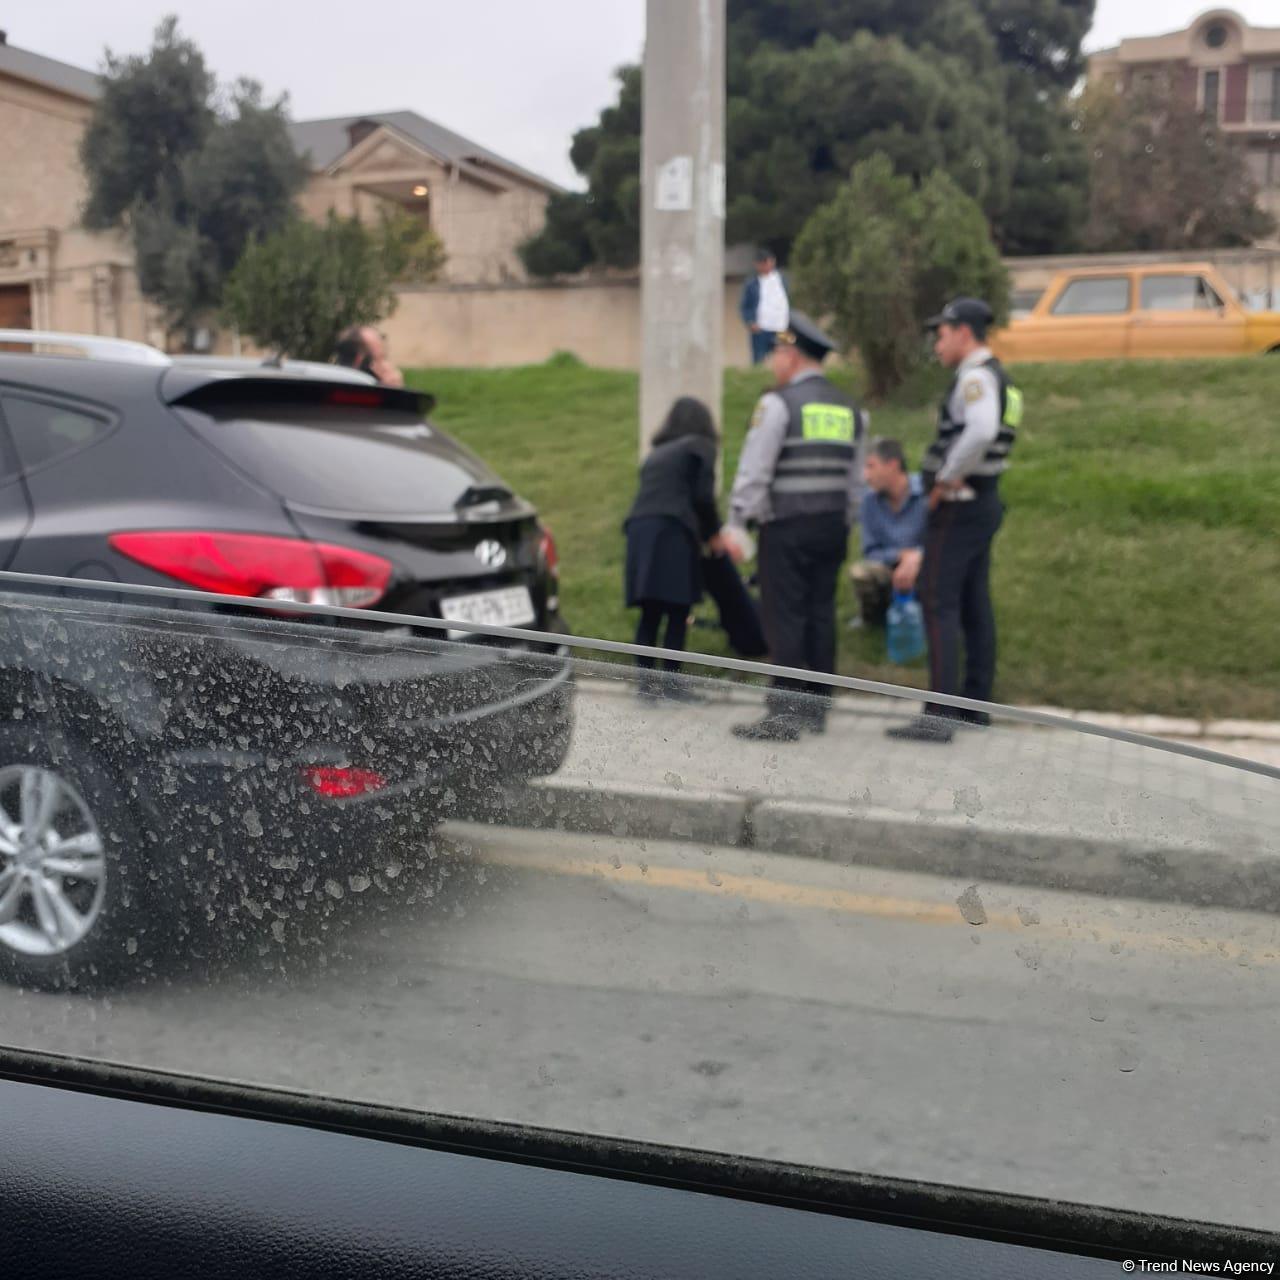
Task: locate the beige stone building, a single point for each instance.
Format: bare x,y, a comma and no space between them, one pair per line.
1230,69
480,205
55,275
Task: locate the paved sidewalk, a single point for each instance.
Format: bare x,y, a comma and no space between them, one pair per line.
1250,739
1033,804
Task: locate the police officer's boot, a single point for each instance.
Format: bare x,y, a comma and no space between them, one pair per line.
937,729
775,727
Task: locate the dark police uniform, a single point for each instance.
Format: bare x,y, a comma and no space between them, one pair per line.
977,426
800,479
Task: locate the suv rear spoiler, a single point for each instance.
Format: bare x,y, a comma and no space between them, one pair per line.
199,389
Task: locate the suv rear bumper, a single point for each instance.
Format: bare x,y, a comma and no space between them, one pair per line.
257,809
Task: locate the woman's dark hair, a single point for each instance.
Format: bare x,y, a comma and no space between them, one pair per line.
688,417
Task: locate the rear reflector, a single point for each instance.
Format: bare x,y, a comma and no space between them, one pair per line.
338,783
290,570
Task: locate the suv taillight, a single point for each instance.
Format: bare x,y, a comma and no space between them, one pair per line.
290,570
548,550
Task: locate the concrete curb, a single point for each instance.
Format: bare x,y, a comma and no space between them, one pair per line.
942,845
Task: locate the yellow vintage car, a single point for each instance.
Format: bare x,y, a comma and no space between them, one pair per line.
1156,312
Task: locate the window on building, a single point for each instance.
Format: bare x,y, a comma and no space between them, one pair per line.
1179,293
1215,35
1264,94
1211,92
1105,296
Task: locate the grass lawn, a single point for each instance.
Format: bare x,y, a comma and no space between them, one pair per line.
1139,564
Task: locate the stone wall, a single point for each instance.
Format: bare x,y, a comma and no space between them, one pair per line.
598,321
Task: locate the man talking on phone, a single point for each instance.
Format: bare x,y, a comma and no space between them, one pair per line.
363,347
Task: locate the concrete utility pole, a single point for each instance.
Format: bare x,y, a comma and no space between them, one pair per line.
682,208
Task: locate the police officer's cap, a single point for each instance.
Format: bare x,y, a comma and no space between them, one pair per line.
971,311
806,337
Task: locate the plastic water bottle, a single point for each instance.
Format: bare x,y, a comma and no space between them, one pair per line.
905,628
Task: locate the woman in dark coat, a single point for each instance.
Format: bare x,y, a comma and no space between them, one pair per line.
673,517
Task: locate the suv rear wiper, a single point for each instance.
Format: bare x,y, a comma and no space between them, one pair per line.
483,495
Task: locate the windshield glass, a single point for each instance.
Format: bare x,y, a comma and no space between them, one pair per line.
731,564
386,869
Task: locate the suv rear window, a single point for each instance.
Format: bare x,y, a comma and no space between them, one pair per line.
375,461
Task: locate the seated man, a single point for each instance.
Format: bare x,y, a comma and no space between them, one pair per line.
894,510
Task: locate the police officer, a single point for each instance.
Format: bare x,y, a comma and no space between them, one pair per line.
961,473
800,479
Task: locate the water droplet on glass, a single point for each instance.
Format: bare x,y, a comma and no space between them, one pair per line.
359,882
333,889
971,907
1028,916
131,946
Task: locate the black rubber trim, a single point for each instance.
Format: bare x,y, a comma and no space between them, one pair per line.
221,392
1058,1226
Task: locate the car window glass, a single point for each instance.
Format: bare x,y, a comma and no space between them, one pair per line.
1178,293
1108,296
522,883
44,430
9,468
376,461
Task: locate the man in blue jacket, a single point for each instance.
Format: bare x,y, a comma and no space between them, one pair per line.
765,306
893,517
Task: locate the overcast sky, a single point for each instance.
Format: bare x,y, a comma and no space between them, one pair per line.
518,76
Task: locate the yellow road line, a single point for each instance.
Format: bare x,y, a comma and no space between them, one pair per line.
880,906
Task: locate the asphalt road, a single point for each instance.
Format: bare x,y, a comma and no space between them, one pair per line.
1027,1040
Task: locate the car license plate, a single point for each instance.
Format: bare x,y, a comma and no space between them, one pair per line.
510,607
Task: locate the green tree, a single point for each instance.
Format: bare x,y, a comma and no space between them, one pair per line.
921,109
975,87
154,112
1164,176
296,290
1049,194
885,254
411,251
189,174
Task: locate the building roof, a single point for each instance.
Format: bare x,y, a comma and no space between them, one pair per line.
1249,42
22,64
327,140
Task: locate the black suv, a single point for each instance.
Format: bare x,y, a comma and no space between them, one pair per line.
254,744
